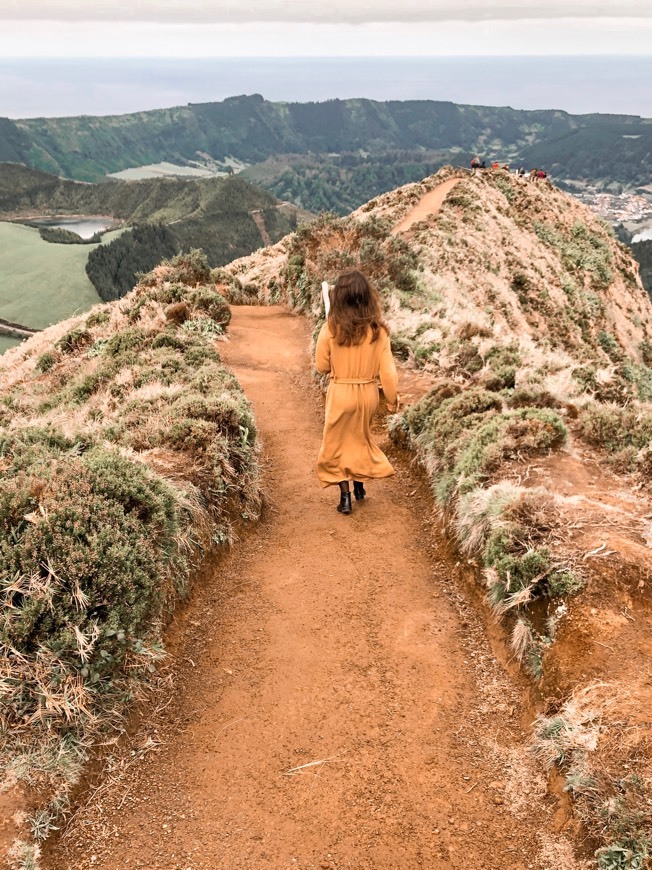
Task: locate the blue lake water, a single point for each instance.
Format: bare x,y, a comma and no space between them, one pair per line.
644,236
86,227
50,88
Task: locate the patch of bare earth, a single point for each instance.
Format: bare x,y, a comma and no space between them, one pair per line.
332,699
604,522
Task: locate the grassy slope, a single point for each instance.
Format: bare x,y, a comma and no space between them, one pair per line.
127,451
42,283
27,191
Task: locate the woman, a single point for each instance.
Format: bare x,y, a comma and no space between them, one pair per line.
353,347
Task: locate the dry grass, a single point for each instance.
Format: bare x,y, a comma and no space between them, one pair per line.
599,743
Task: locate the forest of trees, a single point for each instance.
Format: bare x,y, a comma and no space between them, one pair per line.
342,183
59,236
643,253
112,268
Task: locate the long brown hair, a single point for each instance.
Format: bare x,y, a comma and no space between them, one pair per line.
355,308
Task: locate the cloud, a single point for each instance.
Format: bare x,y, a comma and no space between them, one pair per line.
335,11
94,39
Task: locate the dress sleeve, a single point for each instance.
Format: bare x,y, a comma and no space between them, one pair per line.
323,351
388,373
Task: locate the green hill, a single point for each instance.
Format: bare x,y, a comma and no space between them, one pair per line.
252,130
211,213
43,282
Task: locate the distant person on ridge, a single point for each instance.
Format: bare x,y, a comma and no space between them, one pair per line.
353,347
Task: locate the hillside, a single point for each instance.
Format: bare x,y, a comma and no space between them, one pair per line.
212,213
594,148
222,216
530,271
530,323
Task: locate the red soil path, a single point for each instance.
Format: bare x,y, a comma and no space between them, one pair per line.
427,205
332,701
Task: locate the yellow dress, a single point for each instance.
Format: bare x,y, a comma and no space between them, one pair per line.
348,450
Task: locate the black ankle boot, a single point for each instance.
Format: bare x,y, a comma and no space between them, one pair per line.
358,490
344,507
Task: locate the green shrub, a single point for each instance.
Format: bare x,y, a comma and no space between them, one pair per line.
462,438
189,268
169,339
627,855
646,353
89,384
610,346
98,318
531,397
46,361
124,342
560,583
613,428
212,304
73,340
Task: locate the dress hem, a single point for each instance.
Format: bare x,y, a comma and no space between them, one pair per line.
361,477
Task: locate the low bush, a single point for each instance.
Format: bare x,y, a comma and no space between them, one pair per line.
462,439
189,268
46,361
613,427
73,340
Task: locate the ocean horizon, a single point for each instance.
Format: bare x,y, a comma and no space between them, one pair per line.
57,88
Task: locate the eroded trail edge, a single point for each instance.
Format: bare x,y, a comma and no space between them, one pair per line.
333,700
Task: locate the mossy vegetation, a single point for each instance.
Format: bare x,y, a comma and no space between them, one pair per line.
462,439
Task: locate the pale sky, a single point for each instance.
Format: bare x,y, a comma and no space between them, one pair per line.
226,28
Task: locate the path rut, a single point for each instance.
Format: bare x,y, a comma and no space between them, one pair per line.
333,701
427,206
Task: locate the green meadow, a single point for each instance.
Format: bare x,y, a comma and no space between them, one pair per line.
40,282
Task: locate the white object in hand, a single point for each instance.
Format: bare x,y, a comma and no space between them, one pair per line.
326,296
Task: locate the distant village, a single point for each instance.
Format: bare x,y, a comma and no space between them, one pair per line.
618,208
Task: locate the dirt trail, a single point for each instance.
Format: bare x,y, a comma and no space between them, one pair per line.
332,701
259,220
427,205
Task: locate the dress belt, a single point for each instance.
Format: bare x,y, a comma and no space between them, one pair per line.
352,380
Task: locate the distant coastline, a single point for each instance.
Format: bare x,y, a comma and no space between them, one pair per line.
57,88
